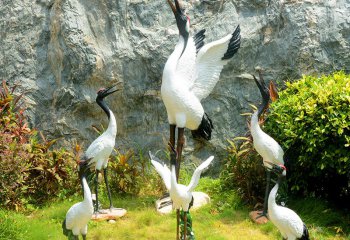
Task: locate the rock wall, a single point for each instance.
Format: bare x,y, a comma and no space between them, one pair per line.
62,51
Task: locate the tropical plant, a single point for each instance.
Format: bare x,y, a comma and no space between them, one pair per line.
244,171
30,172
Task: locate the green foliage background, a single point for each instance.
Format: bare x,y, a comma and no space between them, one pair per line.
30,173
311,120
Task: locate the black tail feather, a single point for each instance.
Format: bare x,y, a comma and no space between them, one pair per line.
205,128
67,232
64,228
305,235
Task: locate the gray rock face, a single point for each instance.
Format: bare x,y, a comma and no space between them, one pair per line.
63,51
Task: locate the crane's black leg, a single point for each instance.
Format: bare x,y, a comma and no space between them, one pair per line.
268,179
96,191
172,135
180,143
172,144
76,237
84,237
108,189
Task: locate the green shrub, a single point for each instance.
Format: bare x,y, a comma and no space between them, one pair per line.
311,120
244,171
130,173
30,173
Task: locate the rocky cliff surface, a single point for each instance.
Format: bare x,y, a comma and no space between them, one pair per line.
62,51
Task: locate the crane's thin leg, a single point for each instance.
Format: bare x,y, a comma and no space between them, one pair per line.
96,191
76,237
180,143
172,135
268,179
177,223
185,225
84,237
108,189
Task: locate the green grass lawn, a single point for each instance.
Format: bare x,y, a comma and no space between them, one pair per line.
224,218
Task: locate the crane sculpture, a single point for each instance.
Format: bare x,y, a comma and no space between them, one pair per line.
265,145
189,75
100,149
79,214
286,220
180,194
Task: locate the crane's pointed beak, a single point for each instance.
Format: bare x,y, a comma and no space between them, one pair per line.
172,6
175,8
110,90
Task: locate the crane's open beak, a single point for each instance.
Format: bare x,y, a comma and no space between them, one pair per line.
110,90
262,87
181,21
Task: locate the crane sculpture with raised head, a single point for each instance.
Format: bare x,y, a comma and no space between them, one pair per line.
190,74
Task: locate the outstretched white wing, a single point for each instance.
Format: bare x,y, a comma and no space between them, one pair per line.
211,59
162,169
187,62
197,174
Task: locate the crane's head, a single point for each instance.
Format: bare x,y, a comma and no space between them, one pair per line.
264,90
182,20
279,169
104,92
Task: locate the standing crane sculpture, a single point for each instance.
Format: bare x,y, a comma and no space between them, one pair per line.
286,220
101,148
190,74
181,195
80,213
265,145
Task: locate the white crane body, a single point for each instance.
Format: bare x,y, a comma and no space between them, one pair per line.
286,220
80,213
180,194
265,145
101,148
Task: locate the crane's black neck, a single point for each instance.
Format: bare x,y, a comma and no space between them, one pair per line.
173,158
104,106
263,106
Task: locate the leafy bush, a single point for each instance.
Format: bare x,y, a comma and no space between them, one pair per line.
30,173
131,173
311,120
244,171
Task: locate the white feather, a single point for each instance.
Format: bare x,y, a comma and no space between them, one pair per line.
180,194
209,66
161,169
101,148
197,174
286,220
265,145
187,64
80,213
